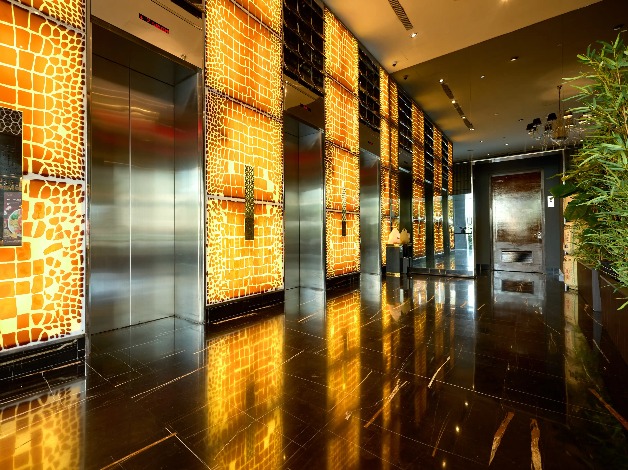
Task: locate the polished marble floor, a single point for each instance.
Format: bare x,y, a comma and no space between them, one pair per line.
508,371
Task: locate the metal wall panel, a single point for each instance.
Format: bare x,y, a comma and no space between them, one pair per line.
370,225
292,210
311,202
188,203
152,198
109,202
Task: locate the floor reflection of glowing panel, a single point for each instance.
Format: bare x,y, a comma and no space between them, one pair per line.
244,385
343,380
44,431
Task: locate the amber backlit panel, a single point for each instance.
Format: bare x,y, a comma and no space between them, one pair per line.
237,267
438,225
450,206
384,95
71,12
43,432
243,57
41,282
267,11
418,152
450,183
42,75
238,136
341,117
343,253
341,53
438,161
342,170
343,381
244,387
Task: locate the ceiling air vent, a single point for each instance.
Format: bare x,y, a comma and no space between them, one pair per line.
401,14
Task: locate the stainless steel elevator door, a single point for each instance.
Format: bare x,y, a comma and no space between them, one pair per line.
152,198
370,222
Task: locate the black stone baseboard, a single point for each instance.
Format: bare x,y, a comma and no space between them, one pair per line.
240,307
341,282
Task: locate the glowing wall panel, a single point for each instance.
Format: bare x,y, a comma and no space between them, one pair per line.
343,380
240,136
243,57
343,253
342,147
244,109
70,12
438,161
389,158
243,394
450,208
438,225
450,183
42,75
237,267
41,282
43,432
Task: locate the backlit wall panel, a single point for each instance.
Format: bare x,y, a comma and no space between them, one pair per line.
44,431
438,161
239,267
342,147
244,109
42,75
42,282
70,12
389,158
240,136
450,225
418,183
243,57
343,253
343,380
438,226
450,162
245,426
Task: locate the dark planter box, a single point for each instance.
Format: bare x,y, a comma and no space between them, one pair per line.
589,286
615,321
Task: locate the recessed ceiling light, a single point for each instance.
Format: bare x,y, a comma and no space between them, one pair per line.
413,35
514,58
441,80
464,117
482,76
472,129
496,114
506,143
481,141
453,101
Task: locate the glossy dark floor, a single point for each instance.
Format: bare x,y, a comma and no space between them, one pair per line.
407,373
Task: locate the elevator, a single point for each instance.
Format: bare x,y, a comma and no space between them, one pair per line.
304,207
146,185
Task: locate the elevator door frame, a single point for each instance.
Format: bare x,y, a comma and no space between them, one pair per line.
188,179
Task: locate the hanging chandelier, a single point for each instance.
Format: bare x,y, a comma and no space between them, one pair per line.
561,130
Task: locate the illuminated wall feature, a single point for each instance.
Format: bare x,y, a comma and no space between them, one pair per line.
450,162
42,75
418,183
342,149
439,246
244,392
343,380
450,216
44,431
389,158
244,109
438,162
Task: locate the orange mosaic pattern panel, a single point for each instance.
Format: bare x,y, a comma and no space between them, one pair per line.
266,11
418,220
341,117
384,95
342,170
237,267
393,104
438,161
243,57
341,53
244,386
343,380
418,151
44,431
239,136
438,226
71,12
343,253
42,75
450,208
450,183
42,282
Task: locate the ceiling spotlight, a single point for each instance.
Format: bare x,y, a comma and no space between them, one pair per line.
394,63
464,117
413,35
514,58
482,76
441,80
453,101
472,128
506,143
